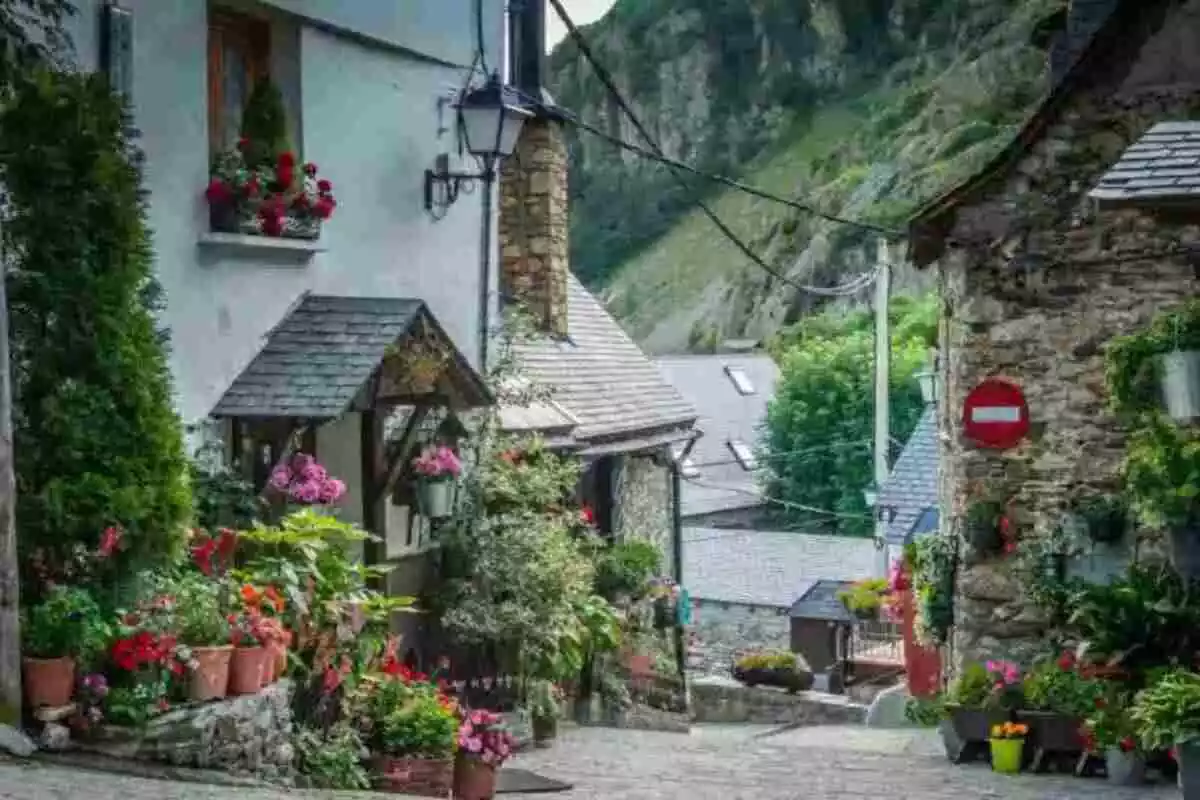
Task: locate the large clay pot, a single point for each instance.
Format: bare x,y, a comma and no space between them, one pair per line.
473,779
49,681
246,672
210,678
426,777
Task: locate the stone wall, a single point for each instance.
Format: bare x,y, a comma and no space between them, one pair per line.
249,735
533,224
722,629
726,702
1050,283
642,508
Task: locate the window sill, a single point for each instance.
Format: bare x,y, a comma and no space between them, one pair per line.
245,243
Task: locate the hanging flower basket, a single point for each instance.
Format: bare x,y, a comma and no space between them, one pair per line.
435,498
1181,384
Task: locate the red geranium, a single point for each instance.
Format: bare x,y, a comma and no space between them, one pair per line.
218,192
110,540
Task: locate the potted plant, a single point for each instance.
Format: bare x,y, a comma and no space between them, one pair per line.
60,632
1112,732
1167,715
864,598
438,468
981,526
1162,479
248,667
1056,698
772,668
1106,518
973,704
483,745
1008,746
545,706
411,729
204,632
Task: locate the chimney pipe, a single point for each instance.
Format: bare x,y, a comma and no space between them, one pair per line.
528,40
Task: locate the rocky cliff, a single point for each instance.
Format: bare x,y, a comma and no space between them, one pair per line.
863,107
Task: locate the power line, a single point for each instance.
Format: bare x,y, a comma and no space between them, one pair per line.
618,98
785,454
778,501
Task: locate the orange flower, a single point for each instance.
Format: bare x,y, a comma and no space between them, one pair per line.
251,596
275,599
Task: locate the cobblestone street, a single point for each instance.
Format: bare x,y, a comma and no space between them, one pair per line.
819,763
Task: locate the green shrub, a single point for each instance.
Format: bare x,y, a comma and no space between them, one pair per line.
971,689
96,438
67,623
332,760
625,568
767,659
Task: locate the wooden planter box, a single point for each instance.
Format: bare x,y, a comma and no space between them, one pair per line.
972,729
425,777
1052,737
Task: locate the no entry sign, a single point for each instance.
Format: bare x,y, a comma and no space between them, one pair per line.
995,414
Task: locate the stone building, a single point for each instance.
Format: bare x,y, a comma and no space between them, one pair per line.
1037,276
743,584
607,402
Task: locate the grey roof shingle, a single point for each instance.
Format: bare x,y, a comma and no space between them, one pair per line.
768,568
600,377
316,360
725,414
821,601
913,485
1163,165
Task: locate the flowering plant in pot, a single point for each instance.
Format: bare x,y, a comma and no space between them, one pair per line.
145,660
252,633
483,745
1167,715
973,704
204,636
282,198
864,598
1008,746
438,468
545,706
304,482
65,629
411,729
1110,730
1057,694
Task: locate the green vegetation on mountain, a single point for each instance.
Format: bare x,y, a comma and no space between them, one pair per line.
865,108
817,445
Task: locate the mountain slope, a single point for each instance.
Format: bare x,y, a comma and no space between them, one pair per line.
864,108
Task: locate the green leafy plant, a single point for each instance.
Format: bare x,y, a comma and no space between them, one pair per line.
625,569
135,705
865,596
199,616
409,719
925,712
931,562
1167,713
1140,620
1162,474
223,498
332,759
1133,367
264,125
67,623
1056,684
94,416
1109,723
768,659
544,700
971,689
1106,517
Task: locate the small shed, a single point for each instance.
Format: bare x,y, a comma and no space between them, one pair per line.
821,626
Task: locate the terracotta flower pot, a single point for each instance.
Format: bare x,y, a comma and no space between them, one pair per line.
279,660
425,777
473,779
210,678
49,681
246,673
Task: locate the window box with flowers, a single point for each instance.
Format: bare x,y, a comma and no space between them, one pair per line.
284,199
1058,693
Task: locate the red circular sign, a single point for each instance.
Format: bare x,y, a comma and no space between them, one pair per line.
995,414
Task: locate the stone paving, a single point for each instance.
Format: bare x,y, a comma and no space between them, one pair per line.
712,763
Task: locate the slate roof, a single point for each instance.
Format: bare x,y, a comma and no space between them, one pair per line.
1163,165
912,488
821,602
315,361
725,414
768,568
601,378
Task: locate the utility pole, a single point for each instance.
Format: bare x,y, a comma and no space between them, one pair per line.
883,352
10,618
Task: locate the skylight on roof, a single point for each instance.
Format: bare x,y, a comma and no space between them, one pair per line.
741,380
688,468
743,454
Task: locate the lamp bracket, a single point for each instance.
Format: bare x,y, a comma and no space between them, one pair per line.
451,183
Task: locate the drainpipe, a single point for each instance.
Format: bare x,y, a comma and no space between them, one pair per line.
676,478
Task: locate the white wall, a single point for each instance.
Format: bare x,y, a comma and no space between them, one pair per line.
369,120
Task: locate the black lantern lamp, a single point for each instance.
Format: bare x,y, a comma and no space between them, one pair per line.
490,119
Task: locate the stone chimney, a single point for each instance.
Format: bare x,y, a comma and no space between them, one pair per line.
534,261
1078,24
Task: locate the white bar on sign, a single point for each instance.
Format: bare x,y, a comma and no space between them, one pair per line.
996,414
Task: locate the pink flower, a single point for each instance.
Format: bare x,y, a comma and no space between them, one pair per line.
110,540
437,462
306,492
332,490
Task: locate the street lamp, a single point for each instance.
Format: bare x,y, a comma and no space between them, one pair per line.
871,495
928,380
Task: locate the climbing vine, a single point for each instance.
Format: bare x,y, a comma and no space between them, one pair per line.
1133,368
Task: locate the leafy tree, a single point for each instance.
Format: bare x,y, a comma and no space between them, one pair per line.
96,438
31,35
818,436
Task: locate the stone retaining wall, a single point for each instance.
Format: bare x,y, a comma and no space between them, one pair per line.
731,703
250,734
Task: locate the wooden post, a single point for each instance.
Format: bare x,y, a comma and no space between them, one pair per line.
10,603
